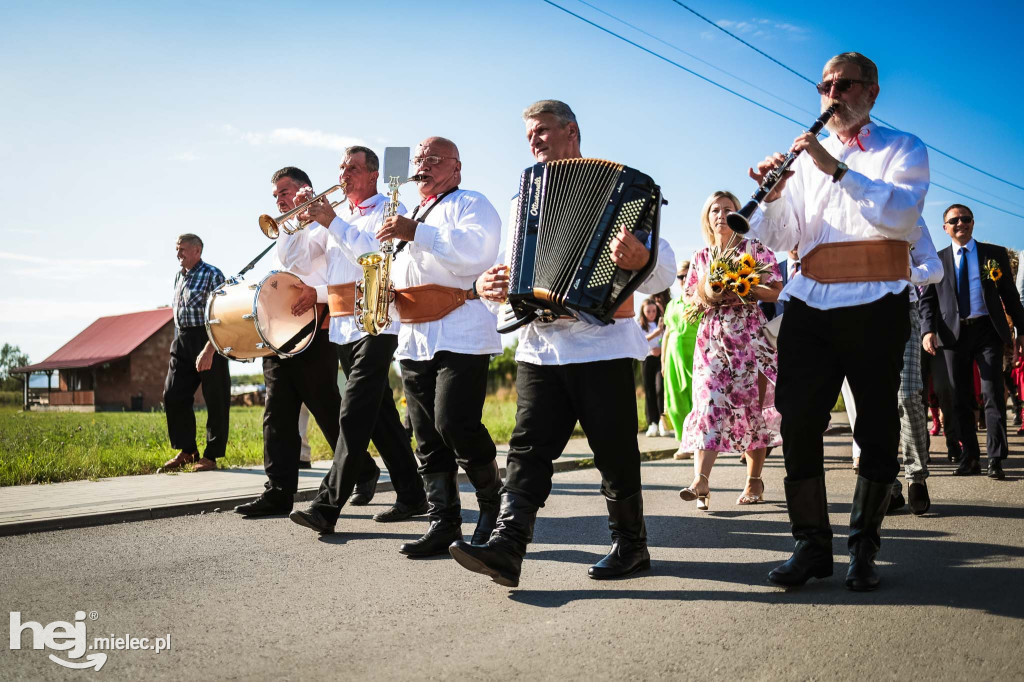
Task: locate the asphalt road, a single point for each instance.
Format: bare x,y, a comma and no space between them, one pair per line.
267,599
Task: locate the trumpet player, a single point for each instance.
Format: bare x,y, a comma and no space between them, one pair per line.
368,409
446,340
851,204
308,380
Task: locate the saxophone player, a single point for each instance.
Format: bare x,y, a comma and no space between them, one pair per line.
368,409
446,339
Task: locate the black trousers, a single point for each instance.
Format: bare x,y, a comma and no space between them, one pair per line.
817,348
552,398
180,389
653,389
311,377
979,342
368,412
942,384
445,400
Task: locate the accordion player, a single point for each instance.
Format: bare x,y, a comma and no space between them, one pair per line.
560,262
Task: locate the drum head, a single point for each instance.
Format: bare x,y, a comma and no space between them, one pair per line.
286,334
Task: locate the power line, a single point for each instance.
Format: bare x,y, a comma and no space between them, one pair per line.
696,58
803,77
745,98
673,63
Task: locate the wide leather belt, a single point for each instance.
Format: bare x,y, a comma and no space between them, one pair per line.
427,302
874,260
341,299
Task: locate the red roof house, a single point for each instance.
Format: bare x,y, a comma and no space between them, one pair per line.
116,363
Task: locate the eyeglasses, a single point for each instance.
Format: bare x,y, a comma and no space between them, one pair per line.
429,160
957,219
840,84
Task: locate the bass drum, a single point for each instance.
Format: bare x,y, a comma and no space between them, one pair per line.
245,322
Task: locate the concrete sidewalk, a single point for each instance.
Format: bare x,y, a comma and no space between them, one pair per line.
34,508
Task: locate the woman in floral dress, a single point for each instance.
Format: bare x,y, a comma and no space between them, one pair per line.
729,414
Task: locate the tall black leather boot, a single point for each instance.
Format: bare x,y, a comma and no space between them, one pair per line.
487,481
445,516
808,513
629,540
870,502
501,557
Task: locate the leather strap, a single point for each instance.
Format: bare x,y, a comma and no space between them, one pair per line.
341,299
875,260
325,319
622,312
427,302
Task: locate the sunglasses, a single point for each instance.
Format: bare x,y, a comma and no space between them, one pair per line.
956,220
840,84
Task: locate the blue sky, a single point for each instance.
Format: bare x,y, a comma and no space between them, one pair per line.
126,124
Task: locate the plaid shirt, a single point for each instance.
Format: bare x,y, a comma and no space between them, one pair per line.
190,292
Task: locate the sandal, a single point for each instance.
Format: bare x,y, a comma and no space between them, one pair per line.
752,499
690,494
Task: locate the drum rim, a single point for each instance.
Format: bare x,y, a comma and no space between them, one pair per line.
256,319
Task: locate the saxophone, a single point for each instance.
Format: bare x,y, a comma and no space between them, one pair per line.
375,291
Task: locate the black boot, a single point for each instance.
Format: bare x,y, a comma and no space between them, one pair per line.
501,558
445,517
808,513
365,490
487,481
272,502
629,540
870,501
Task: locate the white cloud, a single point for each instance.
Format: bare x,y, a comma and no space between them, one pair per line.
762,28
294,136
38,310
53,268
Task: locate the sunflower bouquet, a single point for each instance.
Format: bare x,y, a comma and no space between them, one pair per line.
731,272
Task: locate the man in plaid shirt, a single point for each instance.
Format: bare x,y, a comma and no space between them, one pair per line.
194,362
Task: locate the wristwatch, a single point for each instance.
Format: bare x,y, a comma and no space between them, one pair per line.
841,169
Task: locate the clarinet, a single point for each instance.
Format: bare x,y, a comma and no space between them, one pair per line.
739,222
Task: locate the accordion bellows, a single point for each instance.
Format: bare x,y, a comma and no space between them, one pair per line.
567,214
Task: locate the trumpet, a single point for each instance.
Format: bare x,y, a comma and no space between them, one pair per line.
739,222
272,227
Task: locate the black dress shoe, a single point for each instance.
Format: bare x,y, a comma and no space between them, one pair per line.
896,502
401,512
995,470
303,464
364,492
920,502
271,503
311,518
968,467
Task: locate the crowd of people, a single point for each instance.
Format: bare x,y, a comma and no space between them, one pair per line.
742,361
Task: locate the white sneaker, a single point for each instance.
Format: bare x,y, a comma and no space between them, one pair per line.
666,433
652,430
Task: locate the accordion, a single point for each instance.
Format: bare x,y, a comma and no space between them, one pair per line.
560,263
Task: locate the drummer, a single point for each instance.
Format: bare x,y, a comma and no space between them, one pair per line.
309,379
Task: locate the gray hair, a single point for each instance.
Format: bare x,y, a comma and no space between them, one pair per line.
189,238
372,162
868,70
560,110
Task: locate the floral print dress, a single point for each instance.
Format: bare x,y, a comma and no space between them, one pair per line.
728,414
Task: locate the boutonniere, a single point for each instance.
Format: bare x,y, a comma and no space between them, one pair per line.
991,270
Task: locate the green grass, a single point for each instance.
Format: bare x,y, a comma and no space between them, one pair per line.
49,447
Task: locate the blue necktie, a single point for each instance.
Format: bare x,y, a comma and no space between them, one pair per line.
963,286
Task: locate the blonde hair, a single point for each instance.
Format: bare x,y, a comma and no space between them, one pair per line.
705,223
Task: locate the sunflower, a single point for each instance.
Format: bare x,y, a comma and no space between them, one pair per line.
744,271
996,274
748,261
754,280
717,287
742,288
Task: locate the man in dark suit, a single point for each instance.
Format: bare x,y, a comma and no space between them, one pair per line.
963,315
